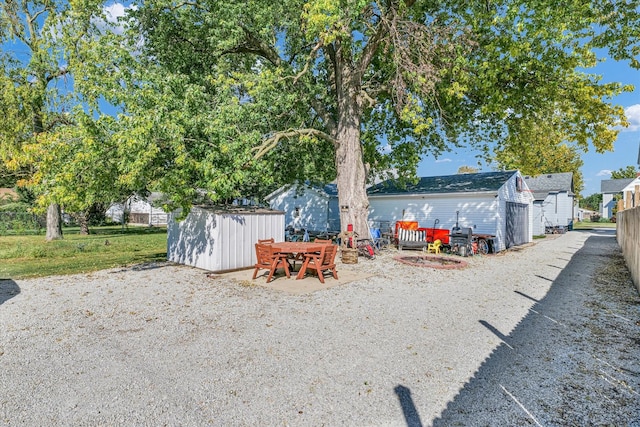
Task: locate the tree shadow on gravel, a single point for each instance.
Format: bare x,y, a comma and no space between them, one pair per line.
8,290
409,410
572,361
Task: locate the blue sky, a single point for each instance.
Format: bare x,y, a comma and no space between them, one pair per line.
596,166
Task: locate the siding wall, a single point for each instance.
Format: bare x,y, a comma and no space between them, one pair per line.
607,205
538,227
484,212
220,241
561,213
313,212
478,211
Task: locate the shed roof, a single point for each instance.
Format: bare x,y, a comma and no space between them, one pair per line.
614,185
237,210
460,183
544,184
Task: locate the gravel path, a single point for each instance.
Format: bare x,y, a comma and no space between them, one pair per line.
545,335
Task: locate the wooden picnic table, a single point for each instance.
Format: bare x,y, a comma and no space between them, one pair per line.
298,250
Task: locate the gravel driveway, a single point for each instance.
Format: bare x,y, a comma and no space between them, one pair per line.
545,335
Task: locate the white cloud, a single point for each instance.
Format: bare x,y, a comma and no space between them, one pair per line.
112,14
604,172
445,160
633,115
114,11
384,149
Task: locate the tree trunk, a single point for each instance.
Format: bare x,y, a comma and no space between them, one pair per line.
352,178
83,221
54,222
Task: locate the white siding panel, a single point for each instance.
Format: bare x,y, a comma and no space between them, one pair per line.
219,241
607,205
313,208
477,211
538,218
565,208
115,212
558,209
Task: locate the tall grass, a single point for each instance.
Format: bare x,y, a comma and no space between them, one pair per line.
105,247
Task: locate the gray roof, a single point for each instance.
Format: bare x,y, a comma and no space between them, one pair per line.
544,184
331,190
460,183
614,185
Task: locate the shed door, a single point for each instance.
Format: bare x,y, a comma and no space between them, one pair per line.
517,224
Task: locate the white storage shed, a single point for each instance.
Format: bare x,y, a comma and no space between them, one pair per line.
493,203
221,238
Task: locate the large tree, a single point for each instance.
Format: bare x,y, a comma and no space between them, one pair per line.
232,97
52,136
33,85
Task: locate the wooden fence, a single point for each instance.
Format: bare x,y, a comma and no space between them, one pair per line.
628,235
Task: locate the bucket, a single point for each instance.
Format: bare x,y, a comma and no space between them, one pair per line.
349,256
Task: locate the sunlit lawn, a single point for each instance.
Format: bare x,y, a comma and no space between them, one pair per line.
587,225
105,247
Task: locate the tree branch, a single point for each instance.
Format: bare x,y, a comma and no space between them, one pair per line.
61,72
324,114
273,141
312,56
374,41
254,45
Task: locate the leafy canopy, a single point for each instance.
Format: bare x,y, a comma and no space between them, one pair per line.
236,98
628,172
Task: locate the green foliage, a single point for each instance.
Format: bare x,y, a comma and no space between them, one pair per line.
510,68
628,172
107,247
53,142
592,202
234,99
541,155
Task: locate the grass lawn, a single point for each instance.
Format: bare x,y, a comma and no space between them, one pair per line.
587,225
105,247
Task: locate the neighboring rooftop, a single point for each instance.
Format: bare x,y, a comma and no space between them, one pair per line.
330,190
614,185
544,184
460,183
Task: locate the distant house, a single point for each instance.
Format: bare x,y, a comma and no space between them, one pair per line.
493,203
609,189
584,214
307,207
553,201
139,210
